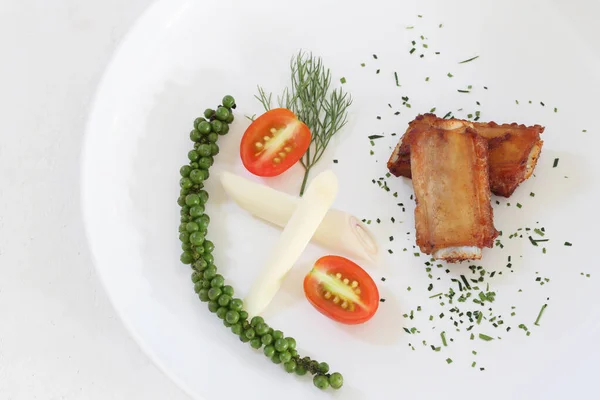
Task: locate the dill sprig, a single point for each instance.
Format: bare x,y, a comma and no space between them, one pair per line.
324,111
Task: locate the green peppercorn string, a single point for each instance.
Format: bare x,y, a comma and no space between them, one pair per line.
197,252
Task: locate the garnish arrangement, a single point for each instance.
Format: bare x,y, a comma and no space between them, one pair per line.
197,252
455,165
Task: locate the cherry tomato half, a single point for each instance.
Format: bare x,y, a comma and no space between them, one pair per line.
274,142
341,290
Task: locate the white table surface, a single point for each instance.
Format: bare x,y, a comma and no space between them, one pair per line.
59,336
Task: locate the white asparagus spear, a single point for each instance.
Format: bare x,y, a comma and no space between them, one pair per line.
340,232
293,240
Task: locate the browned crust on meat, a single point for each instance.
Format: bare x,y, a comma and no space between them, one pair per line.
513,150
451,183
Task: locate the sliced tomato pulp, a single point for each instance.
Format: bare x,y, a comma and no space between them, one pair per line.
341,290
274,142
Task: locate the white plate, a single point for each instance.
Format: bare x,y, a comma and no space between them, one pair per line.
183,56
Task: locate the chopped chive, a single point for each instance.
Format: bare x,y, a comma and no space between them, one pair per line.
416,254
412,50
473,364
532,194
420,16
542,103
555,163
410,27
519,205
539,232
517,101
584,130
382,300
409,288
390,251
436,295
391,238
425,45
479,317
449,360
375,56
469,60
377,71
443,335
426,79
474,352
362,64
432,110
383,279
396,78
441,25
343,80
375,137
335,161
463,91
568,244
485,337
555,109
450,75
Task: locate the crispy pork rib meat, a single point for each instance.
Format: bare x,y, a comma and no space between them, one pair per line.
453,216
513,150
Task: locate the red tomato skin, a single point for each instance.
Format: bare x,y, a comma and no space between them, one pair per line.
369,292
277,118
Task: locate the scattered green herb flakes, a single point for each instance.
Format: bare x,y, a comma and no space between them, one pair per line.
375,56
396,78
343,80
335,161
409,288
449,360
443,336
473,364
584,130
441,25
363,64
517,101
555,109
410,27
377,72
432,110
412,50
373,137
542,103
450,75
568,244
532,194
485,337
519,205
426,79
469,60
382,300
463,91
540,315
555,163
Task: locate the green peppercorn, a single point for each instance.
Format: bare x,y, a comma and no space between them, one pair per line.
321,382
289,366
336,380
